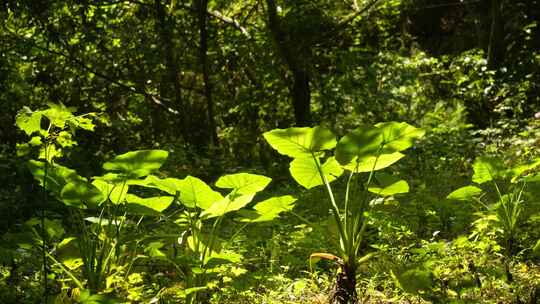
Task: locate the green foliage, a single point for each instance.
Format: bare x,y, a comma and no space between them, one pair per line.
351,220
137,163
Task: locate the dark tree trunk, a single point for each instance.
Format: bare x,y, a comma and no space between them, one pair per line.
345,290
166,23
301,98
300,89
496,36
203,56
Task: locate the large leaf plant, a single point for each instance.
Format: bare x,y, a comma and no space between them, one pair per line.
318,159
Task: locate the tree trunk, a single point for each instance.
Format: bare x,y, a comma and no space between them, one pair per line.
300,89
301,98
345,290
203,56
172,78
496,47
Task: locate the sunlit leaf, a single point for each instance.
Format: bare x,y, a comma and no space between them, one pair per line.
268,209
58,114
383,138
368,163
196,193
137,163
148,206
305,172
398,136
169,185
300,142
487,168
361,142
243,183
228,204
81,194
388,185
464,193
113,189
28,121
57,176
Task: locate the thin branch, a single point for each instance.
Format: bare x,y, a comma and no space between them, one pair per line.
142,91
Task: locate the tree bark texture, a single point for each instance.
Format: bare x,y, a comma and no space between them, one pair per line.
203,56
496,36
172,79
300,89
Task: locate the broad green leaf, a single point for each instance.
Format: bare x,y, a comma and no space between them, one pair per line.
388,185
35,141
305,172
464,193
487,168
148,206
137,163
194,193
169,185
368,163
81,194
269,209
28,121
59,114
83,122
49,152
201,241
57,176
113,189
361,142
301,142
228,204
398,136
524,169
243,183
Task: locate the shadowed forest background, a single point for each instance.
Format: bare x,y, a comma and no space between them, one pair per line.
203,80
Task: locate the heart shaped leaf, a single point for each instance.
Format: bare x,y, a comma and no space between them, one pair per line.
305,172
301,142
243,183
148,206
388,185
487,168
269,209
228,204
368,163
81,194
196,193
464,193
137,163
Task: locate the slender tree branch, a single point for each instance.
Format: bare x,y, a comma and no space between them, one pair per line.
142,91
